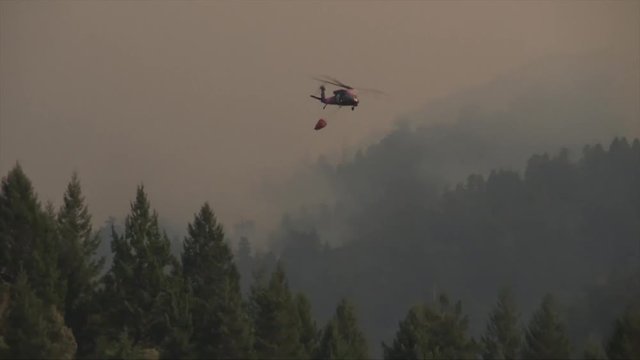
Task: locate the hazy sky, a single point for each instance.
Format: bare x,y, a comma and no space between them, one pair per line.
204,101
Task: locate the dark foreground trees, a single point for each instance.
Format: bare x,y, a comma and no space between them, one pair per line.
276,320
35,329
79,264
139,276
28,239
221,327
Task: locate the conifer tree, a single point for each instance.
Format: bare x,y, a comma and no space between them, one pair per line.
28,238
449,332
624,343
546,336
342,338
503,337
412,339
309,334
35,329
78,263
221,324
433,333
275,319
177,321
140,273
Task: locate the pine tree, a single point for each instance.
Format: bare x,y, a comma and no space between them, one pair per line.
503,338
28,238
35,330
624,343
342,338
275,319
78,263
449,333
412,339
546,336
309,334
433,333
140,273
221,324
177,321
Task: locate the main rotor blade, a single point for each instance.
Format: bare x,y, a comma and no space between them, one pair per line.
374,91
332,81
336,82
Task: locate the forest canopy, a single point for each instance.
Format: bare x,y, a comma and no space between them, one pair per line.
542,263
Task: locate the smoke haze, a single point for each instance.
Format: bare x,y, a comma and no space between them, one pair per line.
209,100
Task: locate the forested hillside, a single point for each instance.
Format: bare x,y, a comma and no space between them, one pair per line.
568,224
539,264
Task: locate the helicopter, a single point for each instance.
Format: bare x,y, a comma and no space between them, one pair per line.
342,97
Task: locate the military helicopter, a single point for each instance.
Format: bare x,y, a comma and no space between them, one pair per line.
342,97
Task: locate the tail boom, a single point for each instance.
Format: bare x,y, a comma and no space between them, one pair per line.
322,98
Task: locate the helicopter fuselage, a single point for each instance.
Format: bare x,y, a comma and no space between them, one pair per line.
342,97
